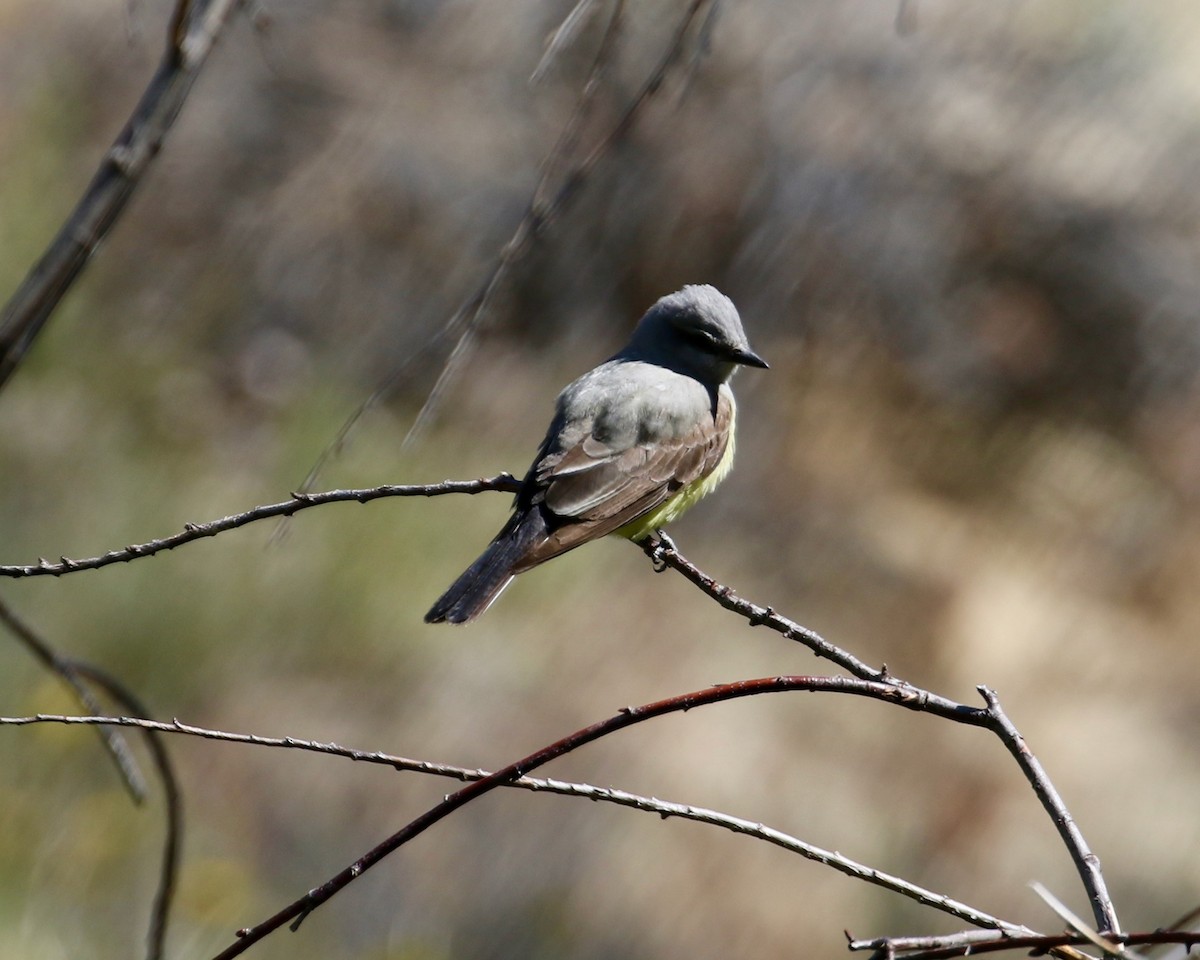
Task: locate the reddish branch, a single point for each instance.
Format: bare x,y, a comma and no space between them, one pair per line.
623,798
295,912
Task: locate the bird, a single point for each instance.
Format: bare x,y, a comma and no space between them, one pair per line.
633,443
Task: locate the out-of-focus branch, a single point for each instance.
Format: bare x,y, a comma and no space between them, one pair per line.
662,808
71,673
195,26
544,209
78,675
503,482
168,871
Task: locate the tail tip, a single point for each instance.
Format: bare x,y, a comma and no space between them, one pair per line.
440,614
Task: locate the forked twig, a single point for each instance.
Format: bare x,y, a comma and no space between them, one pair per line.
664,554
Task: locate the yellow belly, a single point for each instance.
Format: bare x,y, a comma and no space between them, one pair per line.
672,509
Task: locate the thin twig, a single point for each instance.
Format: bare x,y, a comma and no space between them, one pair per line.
503,482
662,808
168,873
70,672
195,25
664,554
541,213
562,38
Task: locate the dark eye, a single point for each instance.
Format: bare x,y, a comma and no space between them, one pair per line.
702,339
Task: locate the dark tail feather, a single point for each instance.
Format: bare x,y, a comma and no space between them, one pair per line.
482,582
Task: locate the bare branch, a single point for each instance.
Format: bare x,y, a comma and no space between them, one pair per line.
503,482
194,28
663,553
662,808
1086,862
295,912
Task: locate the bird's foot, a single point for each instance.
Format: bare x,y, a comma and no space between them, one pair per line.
660,545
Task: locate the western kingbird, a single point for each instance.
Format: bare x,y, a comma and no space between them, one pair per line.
632,445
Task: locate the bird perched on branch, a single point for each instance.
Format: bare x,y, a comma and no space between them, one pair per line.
633,444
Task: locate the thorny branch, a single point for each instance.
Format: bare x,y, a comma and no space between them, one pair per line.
503,482
295,912
664,554
663,808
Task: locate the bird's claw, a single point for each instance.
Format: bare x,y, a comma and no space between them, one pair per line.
661,546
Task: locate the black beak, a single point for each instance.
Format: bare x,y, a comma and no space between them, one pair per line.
748,358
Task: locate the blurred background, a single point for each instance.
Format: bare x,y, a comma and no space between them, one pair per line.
965,235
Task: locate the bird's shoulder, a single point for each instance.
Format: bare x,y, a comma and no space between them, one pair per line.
623,403
620,446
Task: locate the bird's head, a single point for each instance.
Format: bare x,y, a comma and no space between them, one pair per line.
695,331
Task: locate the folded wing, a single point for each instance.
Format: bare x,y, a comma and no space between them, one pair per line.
591,489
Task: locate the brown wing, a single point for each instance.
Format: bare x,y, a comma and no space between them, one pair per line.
590,490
